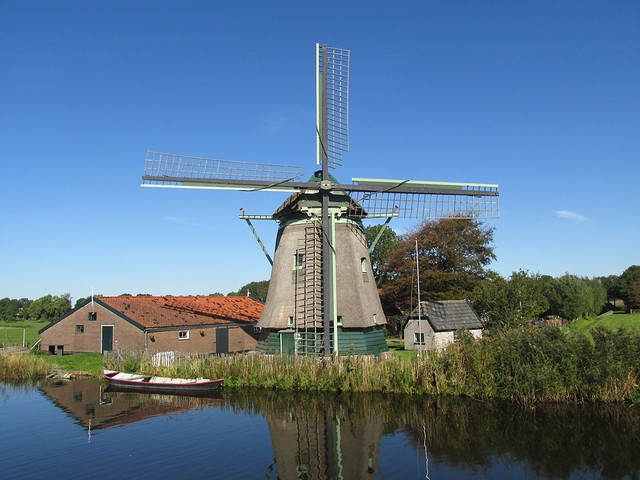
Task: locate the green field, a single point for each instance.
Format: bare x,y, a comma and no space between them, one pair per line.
612,322
11,332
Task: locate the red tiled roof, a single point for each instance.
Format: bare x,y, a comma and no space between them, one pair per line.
168,311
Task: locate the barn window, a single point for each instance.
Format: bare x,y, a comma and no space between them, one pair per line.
183,335
79,328
93,316
418,338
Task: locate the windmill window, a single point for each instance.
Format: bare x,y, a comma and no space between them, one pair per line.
93,316
289,321
364,269
339,320
183,335
79,328
298,261
375,319
418,338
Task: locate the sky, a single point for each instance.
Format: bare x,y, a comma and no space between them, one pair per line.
542,98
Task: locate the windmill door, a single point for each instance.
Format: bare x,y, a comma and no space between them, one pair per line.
222,340
107,338
287,344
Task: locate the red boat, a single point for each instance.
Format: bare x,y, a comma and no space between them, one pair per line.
151,384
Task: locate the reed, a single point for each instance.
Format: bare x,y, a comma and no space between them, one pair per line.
526,366
22,366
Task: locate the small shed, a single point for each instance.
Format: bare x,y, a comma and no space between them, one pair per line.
190,324
438,323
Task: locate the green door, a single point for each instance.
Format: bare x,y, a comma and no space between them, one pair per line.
287,346
107,338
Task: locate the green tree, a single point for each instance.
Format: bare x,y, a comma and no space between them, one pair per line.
508,303
571,297
49,307
256,290
380,254
628,280
453,255
11,308
612,286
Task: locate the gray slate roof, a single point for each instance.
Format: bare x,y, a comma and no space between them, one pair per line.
448,315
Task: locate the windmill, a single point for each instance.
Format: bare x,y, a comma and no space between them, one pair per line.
320,298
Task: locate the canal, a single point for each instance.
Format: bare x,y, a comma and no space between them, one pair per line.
79,429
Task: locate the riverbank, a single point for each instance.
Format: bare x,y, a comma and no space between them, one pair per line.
527,366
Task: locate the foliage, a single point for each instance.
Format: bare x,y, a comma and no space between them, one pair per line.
613,287
571,297
256,290
453,256
527,365
48,307
11,309
380,255
630,287
508,303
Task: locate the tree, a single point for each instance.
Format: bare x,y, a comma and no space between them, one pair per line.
256,290
11,309
612,286
509,303
49,307
453,255
571,297
380,255
628,280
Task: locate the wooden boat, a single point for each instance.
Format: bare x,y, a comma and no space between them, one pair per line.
146,383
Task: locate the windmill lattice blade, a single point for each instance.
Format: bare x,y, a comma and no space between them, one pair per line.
428,205
334,67
169,169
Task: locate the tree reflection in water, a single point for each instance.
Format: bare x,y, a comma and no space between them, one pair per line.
323,435
340,436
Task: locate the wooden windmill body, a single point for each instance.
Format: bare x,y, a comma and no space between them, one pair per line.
322,297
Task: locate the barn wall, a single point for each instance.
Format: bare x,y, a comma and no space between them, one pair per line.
126,337
413,327
201,340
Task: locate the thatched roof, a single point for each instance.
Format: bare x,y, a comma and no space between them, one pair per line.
448,315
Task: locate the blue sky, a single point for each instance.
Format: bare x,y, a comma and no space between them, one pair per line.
542,98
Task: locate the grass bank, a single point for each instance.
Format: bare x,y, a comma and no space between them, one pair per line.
527,366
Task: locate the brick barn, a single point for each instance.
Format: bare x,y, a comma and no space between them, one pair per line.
194,324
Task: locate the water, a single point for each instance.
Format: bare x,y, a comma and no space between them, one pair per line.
79,430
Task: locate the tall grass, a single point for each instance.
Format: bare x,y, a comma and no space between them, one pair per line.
22,366
528,365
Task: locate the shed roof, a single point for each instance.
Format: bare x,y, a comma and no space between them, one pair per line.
170,311
448,315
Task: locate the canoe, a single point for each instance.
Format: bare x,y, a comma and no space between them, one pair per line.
147,383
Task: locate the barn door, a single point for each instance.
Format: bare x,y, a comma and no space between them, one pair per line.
222,340
107,338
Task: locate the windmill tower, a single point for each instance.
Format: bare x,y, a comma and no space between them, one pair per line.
322,296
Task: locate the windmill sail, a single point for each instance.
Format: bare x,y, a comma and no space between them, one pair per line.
328,297
332,103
